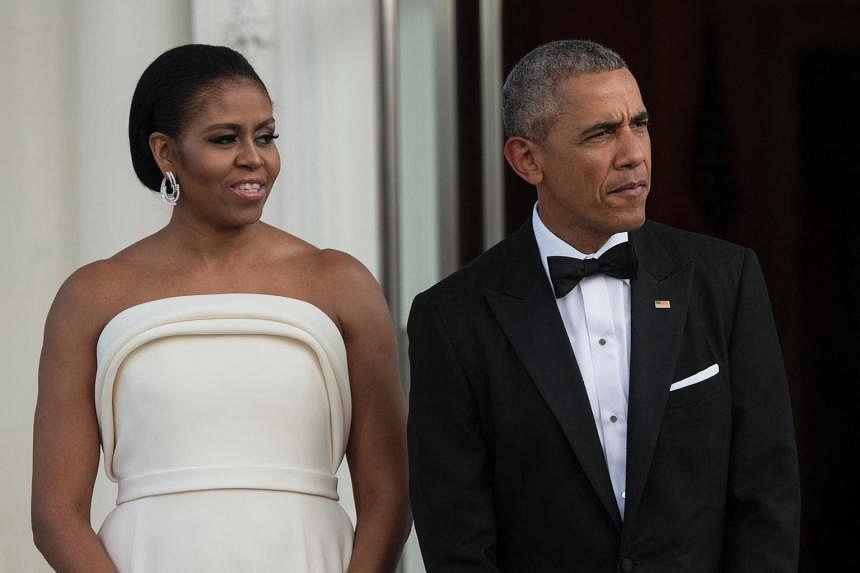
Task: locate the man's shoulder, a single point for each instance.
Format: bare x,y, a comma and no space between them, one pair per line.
688,246
717,261
468,285
484,271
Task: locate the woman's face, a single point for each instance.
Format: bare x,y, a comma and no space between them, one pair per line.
226,159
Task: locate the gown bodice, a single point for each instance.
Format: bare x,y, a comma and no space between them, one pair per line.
222,391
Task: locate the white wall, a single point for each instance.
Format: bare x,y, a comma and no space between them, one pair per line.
69,193
33,156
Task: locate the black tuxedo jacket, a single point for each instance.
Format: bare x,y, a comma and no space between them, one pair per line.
507,470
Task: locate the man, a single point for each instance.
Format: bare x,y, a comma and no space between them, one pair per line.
598,392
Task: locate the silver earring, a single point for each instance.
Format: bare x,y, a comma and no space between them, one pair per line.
170,197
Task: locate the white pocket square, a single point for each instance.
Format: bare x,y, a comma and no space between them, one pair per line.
699,376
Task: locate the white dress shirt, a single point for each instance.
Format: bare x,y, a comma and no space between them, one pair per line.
596,315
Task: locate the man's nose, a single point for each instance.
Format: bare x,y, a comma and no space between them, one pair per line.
632,149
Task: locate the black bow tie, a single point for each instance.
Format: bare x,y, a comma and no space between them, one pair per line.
566,272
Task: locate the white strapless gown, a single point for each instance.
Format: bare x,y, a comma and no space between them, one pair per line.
223,420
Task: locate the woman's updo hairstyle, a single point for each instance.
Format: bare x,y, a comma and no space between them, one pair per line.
171,90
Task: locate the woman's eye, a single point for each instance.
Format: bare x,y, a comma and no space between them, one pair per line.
267,138
223,139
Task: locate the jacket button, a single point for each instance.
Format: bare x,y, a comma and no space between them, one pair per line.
627,565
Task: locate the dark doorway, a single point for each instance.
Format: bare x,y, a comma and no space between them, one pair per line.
754,133
830,313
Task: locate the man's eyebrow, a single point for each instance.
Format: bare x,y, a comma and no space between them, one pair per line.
640,117
613,125
602,126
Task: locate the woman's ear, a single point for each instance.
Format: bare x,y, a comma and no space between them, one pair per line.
161,146
520,154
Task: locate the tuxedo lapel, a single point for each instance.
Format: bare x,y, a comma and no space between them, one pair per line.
657,330
527,312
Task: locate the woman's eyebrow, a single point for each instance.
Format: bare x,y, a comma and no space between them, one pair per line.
236,126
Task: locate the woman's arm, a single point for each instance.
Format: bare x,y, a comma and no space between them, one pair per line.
66,434
376,450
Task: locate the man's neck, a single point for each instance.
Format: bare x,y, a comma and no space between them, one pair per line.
583,240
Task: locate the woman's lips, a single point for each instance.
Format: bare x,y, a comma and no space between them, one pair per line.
250,191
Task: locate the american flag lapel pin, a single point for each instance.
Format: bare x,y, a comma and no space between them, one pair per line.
662,304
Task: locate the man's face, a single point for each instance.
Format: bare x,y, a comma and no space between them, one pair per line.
596,160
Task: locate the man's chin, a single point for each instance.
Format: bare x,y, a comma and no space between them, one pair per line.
639,223
630,222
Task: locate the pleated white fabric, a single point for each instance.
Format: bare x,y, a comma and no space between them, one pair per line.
223,419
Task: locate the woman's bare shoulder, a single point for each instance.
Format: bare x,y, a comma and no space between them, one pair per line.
97,291
352,272
317,264
285,244
358,300
333,280
88,297
331,271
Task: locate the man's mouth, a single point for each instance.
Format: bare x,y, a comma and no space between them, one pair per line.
634,186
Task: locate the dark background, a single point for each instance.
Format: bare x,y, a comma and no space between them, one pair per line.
755,130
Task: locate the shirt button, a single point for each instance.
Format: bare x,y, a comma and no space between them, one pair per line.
613,418
624,494
602,341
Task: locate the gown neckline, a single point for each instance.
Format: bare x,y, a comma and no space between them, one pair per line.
137,306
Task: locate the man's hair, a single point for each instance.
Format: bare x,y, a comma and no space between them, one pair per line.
530,97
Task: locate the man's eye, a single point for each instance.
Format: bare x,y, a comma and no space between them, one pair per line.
223,139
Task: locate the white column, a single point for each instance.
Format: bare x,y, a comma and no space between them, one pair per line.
116,41
427,162
35,154
329,122
492,136
70,194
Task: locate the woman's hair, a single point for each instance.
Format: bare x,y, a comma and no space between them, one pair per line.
171,90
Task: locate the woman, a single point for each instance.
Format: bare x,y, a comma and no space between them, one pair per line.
232,365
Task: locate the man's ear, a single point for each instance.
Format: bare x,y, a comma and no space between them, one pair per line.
161,146
520,154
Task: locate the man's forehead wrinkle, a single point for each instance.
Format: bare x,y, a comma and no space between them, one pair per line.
610,120
555,99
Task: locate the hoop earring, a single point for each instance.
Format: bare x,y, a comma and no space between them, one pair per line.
170,197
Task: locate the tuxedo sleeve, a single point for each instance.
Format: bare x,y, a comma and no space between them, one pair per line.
449,460
763,505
